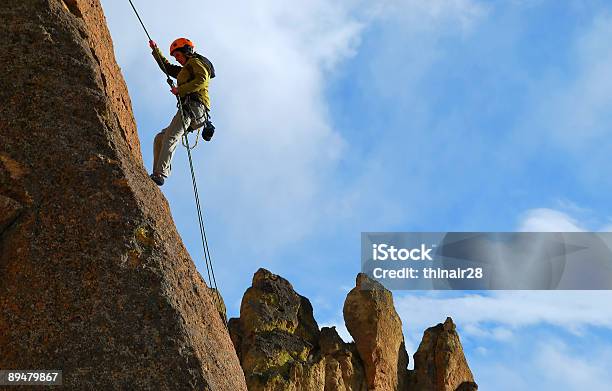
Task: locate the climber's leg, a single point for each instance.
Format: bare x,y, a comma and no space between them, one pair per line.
157,144
171,136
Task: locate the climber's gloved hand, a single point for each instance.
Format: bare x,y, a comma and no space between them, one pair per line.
174,90
152,44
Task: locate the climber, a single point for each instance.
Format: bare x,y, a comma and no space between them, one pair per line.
192,77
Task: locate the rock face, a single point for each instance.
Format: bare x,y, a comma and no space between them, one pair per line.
280,345
94,278
343,367
281,348
439,363
371,319
277,337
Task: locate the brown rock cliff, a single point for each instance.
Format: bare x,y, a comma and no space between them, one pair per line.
94,278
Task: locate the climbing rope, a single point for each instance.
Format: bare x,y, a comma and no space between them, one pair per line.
185,141
212,282
140,20
168,79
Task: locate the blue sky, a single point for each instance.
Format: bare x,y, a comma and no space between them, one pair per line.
448,115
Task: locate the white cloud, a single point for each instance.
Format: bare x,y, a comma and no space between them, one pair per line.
544,362
548,220
582,108
498,315
499,376
433,13
496,333
563,368
568,217
410,44
570,107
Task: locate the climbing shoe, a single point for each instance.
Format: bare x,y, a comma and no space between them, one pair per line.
157,178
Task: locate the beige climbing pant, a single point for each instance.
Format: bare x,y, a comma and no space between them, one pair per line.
166,141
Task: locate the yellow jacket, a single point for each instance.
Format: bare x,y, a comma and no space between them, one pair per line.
192,79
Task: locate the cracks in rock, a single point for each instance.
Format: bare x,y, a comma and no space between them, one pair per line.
123,132
104,83
93,53
11,210
73,7
6,227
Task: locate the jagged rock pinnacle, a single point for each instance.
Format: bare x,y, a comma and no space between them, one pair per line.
281,348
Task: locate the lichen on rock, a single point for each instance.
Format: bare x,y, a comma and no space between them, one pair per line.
281,348
276,336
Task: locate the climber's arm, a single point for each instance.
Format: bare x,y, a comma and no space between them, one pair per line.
173,70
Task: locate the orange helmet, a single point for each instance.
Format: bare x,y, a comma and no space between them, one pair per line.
180,43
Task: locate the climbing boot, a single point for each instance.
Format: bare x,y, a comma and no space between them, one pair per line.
158,179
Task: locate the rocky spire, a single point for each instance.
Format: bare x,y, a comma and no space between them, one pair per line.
277,337
439,363
94,278
376,328
281,348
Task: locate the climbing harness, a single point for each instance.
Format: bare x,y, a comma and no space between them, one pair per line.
202,122
212,282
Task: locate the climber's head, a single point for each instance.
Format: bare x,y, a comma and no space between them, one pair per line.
181,49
